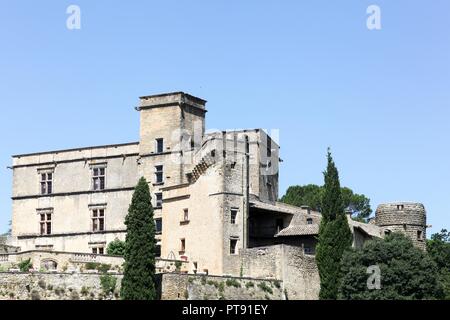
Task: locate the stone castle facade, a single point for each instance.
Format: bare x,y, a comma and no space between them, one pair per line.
215,198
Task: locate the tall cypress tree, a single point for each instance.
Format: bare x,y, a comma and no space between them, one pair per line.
138,282
334,234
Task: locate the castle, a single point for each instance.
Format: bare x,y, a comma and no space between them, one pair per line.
214,194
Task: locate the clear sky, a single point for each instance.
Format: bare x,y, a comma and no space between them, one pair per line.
379,98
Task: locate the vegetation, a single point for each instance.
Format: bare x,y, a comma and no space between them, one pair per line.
438,249
311,195
101,267
25,265
334,234
233,283
406,271
108,284
116,248
139,273
264,287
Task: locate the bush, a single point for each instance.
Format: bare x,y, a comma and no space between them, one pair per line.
108,284
101,267
406,272
25,265
264,287
249,285
91,265
233,283
116,248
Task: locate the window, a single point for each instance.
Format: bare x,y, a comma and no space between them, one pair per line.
185,215
308,250
233,246
159,145
159,199
98,220
46,183
158,251
419,235
98,250
400,207
233,216
98,178
269,147
158,225
159,174
182,246
309,221
45,223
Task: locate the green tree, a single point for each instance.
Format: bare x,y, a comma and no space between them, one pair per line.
406,272
116,248
311,195
439,250
138,282
334,234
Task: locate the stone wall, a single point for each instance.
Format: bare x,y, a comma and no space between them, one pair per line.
297,270
55,286
202,287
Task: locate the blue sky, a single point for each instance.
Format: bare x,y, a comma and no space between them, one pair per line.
380,99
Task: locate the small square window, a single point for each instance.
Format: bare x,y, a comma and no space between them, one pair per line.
159,145
309,221
419,235
233,246
233,215
159,174
400,207
158,225
159,199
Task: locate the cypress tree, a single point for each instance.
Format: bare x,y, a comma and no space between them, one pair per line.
334,234
138,282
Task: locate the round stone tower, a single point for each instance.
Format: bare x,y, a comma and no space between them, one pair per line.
405,217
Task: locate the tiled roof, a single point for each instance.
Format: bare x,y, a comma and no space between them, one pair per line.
299,230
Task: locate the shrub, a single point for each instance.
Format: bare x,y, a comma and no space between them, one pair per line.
91,265
233,283
108,284
116,248
264,287
277,284
25,265
249,285
103,268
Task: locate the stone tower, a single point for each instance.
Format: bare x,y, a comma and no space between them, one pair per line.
405,217
172,126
